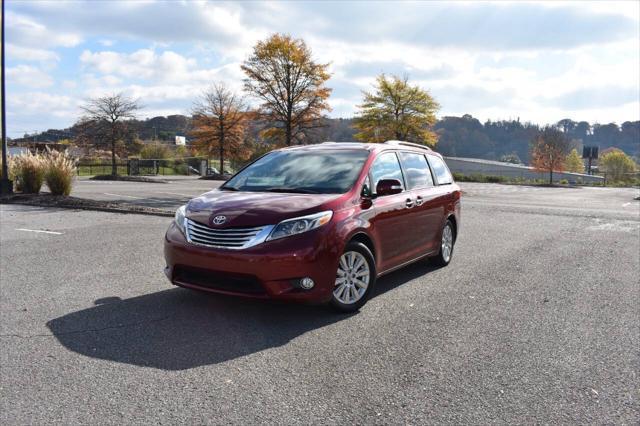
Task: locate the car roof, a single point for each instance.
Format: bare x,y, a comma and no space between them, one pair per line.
377,147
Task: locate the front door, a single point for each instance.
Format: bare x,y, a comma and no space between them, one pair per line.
426,213
390,226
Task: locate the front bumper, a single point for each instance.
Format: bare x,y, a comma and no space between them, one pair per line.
270,270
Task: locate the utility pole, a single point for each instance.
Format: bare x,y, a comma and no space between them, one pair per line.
6,186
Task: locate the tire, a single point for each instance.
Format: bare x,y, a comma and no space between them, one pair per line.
355,278
447,241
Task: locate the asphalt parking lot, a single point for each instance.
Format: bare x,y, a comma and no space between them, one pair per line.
160,195
583,201
536,320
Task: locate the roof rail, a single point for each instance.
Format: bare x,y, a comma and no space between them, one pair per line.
415,145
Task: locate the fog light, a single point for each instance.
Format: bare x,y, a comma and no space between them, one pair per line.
307,283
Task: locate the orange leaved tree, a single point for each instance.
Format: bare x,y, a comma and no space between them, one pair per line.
291,86
549,150
220,119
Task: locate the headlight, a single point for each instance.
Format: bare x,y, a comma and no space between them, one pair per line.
180,218
299,225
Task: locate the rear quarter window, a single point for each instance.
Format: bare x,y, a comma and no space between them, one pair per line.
440,170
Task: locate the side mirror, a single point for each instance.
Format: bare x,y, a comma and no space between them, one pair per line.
388,187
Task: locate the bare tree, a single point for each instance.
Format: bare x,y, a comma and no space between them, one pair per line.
220,120
107,117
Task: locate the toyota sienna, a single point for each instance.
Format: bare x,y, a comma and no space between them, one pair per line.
317,223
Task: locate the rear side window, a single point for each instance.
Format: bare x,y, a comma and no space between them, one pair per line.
440,170
386,166
416,170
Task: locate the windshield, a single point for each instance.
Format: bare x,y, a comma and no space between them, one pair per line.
330,172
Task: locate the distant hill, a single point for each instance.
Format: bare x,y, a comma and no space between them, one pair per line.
458,136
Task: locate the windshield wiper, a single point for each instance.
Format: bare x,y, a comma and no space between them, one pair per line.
228,188
292,190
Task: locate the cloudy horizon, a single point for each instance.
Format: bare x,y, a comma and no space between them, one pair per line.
539,62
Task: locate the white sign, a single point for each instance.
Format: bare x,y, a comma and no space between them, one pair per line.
181,140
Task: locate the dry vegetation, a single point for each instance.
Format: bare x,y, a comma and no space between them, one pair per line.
29,171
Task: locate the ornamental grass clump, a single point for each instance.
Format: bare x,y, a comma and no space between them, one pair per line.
59,172
28,170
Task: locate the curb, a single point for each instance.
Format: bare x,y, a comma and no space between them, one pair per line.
91,206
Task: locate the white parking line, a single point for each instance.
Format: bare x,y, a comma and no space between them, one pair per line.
175,193
122,195
39,231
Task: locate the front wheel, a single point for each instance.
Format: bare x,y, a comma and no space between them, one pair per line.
446,245
355,278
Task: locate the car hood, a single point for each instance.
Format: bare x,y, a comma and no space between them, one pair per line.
253,208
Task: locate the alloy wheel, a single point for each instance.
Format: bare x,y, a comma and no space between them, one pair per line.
447,243
352,278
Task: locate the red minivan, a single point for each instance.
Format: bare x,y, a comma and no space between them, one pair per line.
317,223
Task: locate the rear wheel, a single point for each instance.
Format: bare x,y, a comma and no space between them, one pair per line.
355,278
446,245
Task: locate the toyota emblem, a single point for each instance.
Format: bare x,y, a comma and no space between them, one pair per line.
219,220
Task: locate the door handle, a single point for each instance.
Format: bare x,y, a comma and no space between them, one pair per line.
409,203
419,201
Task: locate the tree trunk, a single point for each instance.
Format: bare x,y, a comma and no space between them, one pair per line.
288,133
114,168
222,154
551,176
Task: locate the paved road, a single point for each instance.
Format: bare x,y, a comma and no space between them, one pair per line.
536,320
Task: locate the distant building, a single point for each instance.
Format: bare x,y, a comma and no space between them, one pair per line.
181,140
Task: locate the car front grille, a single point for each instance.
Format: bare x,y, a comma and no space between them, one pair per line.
229,238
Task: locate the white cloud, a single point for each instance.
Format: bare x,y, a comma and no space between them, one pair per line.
141,64
34,111
540,61
153,75
27,32
44,102
31,54
28,76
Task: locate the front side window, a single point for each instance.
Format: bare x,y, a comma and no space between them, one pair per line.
416,170
313,172
386,166
443,176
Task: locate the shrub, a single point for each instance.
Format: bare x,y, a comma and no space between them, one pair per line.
617,165
495,179
477,177
563,182
181,169
59,172
28,170
155,152
13,175
573,162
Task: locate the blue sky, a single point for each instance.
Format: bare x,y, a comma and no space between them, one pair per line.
540,62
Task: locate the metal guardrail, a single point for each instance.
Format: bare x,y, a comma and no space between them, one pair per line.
523,175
